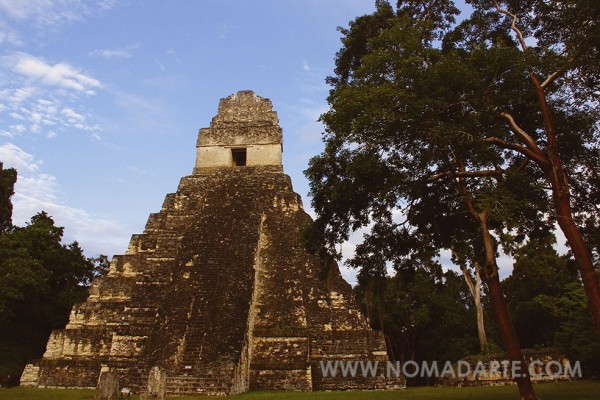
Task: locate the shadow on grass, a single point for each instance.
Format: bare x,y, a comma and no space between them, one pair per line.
577,390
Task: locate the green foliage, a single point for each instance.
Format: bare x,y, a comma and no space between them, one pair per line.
426,315
548,304
576,333
8,177
405,108
540,277
569,28
40,280
419,105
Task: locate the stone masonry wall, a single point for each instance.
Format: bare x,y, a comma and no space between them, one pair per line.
218,291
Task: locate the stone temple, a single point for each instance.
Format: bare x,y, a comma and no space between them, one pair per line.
219,290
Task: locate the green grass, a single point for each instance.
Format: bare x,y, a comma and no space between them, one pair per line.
578,390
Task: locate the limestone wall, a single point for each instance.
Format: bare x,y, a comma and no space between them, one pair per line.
221,156
218,290
244,121
544,365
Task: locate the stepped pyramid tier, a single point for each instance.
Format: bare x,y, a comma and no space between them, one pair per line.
219,290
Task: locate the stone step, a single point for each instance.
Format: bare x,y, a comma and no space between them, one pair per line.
210,385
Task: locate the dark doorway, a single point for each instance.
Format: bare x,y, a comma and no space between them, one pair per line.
239,157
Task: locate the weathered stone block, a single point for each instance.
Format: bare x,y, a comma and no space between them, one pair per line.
219,289
31,375
156,388
108,384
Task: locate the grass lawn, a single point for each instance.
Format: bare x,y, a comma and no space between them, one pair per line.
578,390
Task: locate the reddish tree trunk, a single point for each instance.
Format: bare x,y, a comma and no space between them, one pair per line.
564,216
509,339
580,251
490,273
507,330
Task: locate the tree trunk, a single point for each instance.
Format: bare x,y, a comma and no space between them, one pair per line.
483,343
564,215
580,251
475,289
509,338
507,330
490,273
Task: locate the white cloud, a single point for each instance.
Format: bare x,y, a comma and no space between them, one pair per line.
305,65
9,35
45,13
22,94
61,74
14,115
72,116
39,95
18,129
37,191
110,53
13,156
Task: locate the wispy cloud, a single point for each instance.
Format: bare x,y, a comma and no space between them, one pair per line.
225,29
48,13
72,116
9,35
142,112
61,74
119,52
166,82
37,191
44,98
15,157
110,53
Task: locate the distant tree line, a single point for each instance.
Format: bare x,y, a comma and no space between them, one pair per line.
429,314
40,280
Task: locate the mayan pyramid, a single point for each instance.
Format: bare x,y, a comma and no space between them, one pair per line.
219,290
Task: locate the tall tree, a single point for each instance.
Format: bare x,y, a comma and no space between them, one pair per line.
475,290
557,129
411,120
40,280
8,177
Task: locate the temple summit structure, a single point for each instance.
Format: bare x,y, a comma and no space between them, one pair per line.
219,291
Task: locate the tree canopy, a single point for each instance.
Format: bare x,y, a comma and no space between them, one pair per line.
8,178
462,136
40,280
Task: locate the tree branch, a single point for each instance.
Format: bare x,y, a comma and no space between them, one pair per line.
553,76
513,25
516,147
520,132
465,271
471,174
464,192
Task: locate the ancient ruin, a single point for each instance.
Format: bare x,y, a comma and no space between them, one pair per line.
219,291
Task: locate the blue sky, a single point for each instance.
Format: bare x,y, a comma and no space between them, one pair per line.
101,101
